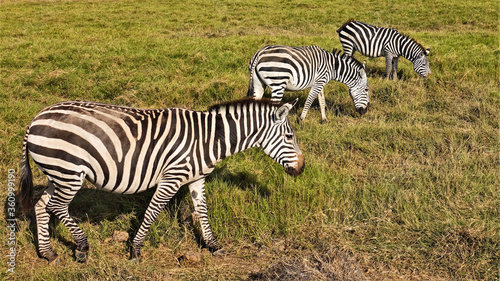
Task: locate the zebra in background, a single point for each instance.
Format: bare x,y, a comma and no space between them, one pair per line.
374,41
297,68
128,150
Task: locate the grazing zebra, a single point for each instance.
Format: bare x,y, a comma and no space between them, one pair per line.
374,41
297,68
129,150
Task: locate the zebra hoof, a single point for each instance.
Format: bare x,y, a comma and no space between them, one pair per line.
81,256
54,260
324,121
135,254
219,253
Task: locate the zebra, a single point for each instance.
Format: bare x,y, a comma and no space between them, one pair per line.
297,68
129,150
374,41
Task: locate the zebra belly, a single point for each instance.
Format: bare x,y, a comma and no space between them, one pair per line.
70,167
67,161
294,87
370,51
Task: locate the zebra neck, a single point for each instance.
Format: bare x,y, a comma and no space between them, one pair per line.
334,68
236,129
409,49
340,70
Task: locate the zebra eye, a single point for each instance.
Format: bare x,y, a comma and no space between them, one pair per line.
289,136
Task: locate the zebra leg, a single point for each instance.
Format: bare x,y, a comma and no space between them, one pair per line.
348,48
321,99
256,89
58,205
197,190
277,93
388,65
315,90
164,192
395,68
42,221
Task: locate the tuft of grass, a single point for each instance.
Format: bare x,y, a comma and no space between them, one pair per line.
409,190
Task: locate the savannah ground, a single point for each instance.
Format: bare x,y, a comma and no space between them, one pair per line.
409,191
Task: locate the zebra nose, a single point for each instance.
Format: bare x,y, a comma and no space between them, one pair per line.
300,164
299,169
362,110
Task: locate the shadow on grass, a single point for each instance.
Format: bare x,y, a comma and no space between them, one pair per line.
379,72
314,264
90,204
95,206
341,109
244,180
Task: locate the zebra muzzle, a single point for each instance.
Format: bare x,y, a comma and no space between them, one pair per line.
299,169
362,110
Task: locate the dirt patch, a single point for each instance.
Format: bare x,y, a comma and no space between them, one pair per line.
331,265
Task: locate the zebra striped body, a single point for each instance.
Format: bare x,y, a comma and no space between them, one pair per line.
374,41
128,150
298,68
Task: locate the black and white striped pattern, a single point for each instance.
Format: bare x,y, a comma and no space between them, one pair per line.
374,41
128,150
298,68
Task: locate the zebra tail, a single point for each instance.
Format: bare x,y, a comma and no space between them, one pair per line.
26,179
343,26
250,88
251,69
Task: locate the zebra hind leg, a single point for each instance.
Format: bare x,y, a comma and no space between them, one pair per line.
42,220
395,68
164,192
277,92
322,105
316,89
388,66
58,205
256,87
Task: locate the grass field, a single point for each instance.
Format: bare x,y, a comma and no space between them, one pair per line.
408,191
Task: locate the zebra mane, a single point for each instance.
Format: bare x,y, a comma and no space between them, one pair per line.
406,36
345,57
346,23
243,101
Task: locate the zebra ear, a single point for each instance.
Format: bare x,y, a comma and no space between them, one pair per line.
362,72
364,64
282,112
427,51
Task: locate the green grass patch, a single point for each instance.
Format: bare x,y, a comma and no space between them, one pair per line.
409,190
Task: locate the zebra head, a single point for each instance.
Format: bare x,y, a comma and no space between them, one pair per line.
421,64
359,91
280,141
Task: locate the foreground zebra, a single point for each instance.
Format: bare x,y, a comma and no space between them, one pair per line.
374,41
129,150
297,68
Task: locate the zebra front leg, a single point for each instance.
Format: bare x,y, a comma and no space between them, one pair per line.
315,90
58,205
164,192
321,99
42,225
395,68
197,191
